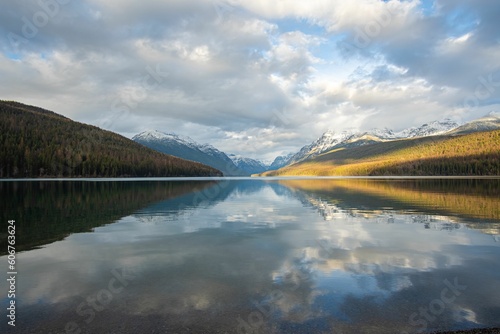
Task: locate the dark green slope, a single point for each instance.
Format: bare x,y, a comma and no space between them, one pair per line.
35,142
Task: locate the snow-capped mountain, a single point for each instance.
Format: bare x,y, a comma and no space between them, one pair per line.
233,165
280,161
350,138
155,135
385,133
251,166
186,148
486,123
326,142
429,129
213,152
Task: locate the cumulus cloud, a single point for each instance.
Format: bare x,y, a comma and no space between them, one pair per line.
255,78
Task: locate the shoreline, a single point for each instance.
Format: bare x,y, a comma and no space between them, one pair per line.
262,178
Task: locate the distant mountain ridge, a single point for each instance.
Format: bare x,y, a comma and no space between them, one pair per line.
486,123
236,165
429,129
469,154
331,140
280,161
186,148
250,166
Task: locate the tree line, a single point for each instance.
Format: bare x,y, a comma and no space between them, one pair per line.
39,143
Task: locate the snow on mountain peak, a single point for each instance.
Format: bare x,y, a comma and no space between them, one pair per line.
150,134
155,135
207,148
236,158
428,129
331,138
249,165
280,161
384,133
353,137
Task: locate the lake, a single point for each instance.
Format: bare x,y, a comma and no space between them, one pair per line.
253,255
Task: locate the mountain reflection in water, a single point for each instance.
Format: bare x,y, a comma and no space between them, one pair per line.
256,256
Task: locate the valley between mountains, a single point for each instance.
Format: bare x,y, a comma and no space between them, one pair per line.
437,148
39,143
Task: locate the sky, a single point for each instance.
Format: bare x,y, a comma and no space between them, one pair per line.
256,78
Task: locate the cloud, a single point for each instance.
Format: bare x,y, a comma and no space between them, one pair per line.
273,75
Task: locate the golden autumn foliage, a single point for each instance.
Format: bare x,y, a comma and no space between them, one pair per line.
471,154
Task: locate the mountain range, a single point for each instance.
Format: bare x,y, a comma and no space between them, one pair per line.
280,161
236,165
248,165
186,148
39,143
331,140
470,154
487,123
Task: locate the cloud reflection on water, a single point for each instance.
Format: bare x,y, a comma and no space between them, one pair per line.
305,260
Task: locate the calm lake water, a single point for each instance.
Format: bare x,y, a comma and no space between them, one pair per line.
253,256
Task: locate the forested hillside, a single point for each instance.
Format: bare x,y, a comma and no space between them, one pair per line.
472,154
39,143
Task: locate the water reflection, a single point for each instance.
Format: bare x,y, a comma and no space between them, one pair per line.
273,257
47,211
474,201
